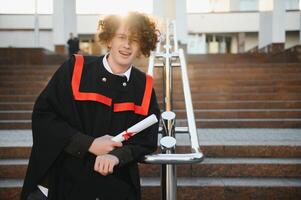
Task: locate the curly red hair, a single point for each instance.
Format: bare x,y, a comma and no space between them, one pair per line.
140,26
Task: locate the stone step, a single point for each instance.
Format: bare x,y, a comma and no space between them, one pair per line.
240,113
194,72
35,87
210,167
24,84
236,96
18,98
194,83
196,63
16,106
199,114
243,104
215,143
179,90
210,150
199,70
16,78
228,188
27,67
200,123
47,72
258,70
196,105
191,66
243,123
190,60
236,77
192,75
199,188
232,167
195,97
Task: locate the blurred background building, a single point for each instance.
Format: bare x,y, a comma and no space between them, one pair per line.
206,26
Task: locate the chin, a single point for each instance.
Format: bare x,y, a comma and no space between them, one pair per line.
126,62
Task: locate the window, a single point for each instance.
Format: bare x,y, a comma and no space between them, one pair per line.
113,6
82,6
26,6
248,5
292,4
205,6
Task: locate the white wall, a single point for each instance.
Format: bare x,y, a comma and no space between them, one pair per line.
223,22
87,24
235,22
265,34
292,20
24,21
26,39
201,23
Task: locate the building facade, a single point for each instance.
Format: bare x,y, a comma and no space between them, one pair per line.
206,26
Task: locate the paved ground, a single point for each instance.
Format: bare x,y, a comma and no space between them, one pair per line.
241,136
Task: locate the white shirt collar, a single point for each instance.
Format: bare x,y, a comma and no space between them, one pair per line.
105,62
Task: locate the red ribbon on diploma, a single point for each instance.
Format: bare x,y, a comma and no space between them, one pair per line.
127,135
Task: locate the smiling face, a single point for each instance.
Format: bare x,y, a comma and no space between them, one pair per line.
124,48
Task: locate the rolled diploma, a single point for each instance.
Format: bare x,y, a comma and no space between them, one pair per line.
140,126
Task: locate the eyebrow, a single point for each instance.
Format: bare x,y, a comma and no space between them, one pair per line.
121,34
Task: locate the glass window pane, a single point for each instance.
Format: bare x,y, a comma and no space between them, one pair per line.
113,6
248,5
26,6
292,4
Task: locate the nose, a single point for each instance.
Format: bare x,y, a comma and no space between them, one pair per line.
127,43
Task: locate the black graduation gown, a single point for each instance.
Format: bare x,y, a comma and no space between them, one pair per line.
57,117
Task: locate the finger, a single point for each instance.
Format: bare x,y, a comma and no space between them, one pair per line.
106,167
96,164
117,144
100,168
111,167
108,136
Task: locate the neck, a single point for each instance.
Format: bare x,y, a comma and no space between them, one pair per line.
117,69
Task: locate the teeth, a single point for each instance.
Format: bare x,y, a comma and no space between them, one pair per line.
126,54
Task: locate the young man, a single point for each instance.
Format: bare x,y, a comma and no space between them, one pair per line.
73,45
87,102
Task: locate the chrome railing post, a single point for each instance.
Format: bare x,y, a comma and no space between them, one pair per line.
167,69
169,158
167,143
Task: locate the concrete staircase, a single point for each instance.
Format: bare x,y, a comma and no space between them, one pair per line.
239,164
224,95
248,115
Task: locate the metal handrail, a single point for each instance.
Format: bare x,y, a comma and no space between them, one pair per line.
196,155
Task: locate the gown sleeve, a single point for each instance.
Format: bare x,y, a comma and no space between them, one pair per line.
54,123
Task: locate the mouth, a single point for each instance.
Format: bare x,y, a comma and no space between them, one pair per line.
125,53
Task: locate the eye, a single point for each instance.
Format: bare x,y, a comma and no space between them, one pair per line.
121,36
135,39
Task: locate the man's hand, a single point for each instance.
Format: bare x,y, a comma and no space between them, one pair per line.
103,145
104,164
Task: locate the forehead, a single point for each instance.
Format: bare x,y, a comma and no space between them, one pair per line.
125,29
122,29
